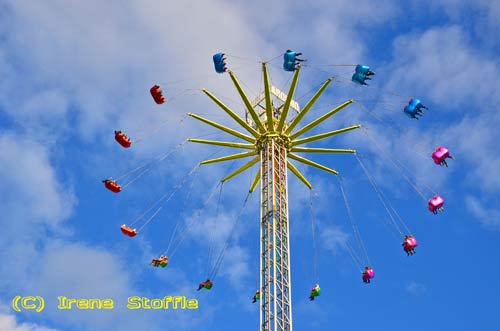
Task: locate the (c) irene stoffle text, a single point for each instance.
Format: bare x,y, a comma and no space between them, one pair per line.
167,302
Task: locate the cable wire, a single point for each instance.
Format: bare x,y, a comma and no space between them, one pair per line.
355,229
226,244
379,194
316,277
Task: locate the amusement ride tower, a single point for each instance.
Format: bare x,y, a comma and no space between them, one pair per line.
269,138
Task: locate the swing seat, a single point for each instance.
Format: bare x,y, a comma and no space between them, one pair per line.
128,231
289,61
370,273
361,73
413,107
220,63
156,93
436,203
207,285
122,139
410,244
112,186
316,291
440,155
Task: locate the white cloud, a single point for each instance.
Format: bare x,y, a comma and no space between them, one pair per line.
98,274
443,58
416,288
334,239
461,11
217,228
476,143
487,214
33,194
9,323
236,267
493,12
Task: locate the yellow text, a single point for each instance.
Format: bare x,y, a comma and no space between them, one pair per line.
174,302
84,304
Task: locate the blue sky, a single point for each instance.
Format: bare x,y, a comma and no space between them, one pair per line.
73,72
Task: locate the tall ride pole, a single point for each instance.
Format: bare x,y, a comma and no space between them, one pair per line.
275,280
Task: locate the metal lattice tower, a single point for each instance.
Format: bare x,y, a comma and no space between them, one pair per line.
275,282
272,142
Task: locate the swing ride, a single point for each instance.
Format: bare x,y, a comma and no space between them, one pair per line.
272,137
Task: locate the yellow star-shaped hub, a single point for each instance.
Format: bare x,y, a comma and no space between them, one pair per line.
274,126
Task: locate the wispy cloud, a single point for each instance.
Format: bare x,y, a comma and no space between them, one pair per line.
487,214
416,288
9,323
334,239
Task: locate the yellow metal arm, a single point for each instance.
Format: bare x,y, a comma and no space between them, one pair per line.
269,102
297,173
223,128
241,169
230,157
320,150
320,119
255,182
323,135
312,164
308,106
232,114
286,106
244,97
222,143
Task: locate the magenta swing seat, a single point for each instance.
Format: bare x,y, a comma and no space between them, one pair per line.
436,204
410,244
440,155
368,274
